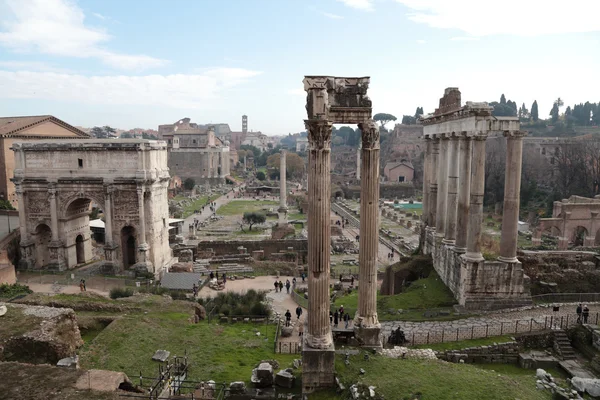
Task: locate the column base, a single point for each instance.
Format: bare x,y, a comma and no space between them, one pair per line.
368,337
472,257
318,368
460,250
448,242
143,267
508,260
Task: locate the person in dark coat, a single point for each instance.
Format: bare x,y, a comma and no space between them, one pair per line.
280,286
579,311
287,286
276,286
330,317
352,281
212,275
586,314
346,320
298,312
336,318
288,317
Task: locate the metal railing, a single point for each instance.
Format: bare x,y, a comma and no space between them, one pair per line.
299,299
515,327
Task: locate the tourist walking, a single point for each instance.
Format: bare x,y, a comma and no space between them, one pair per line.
224,278
288,317
586,314
195,290
287,286
579,311
336,318
346,320
280,286
330,317
81,285
294,283
302,276
352,281
276,286
212,275
300,329
342,309
298,312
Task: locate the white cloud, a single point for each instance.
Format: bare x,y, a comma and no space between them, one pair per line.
180,91
57,27
366,5
31,66
464,38
99,16
332,16
515,17
421,41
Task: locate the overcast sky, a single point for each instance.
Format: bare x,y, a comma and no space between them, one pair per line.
143,63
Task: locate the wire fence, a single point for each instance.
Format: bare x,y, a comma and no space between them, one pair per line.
515,327
96,282
566,298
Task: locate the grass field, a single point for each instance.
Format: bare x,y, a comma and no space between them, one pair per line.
424,294
407,379
239,207
223,353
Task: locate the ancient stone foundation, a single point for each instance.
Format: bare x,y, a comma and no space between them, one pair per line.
454,181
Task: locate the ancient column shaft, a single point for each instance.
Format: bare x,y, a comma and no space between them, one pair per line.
433,182
318,334
426,173
53,213
451,207
142,213
22,220
358,166
366,316
476,200
282,182
108,236
464,191
512,192
442,188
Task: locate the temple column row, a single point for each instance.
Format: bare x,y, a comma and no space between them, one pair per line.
454,184
282,182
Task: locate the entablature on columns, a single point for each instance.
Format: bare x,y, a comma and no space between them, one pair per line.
338,99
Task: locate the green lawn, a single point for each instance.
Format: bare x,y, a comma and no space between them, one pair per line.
223,353
197,204
296,216
432,379
424,294
239,207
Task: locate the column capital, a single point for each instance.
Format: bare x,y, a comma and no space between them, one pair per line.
52,192
109,189
464,135
370,135
514,134
319,133
479,137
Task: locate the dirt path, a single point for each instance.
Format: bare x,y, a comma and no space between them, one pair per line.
57,288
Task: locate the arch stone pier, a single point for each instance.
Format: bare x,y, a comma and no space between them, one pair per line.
57,182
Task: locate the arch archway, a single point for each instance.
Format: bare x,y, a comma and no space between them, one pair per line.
579,235
43,237
79,249
128,246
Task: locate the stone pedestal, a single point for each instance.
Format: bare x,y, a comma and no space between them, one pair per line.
317,368
368,337
27,260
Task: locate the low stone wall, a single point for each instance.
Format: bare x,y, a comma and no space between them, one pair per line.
269,247
502,353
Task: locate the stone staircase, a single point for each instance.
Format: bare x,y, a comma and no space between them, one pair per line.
562,345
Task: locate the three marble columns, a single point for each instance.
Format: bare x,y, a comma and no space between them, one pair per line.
454,184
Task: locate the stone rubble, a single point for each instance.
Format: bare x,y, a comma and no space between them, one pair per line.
404,352
545,381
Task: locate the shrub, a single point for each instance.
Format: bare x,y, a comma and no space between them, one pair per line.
10,291
179,295
116,293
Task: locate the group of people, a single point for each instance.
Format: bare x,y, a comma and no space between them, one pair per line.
214,275
279,285
288,320
391,255
583,314
342,223
339,315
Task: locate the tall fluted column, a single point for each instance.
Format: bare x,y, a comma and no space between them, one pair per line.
358,167
433,182
464,191
282,181
318,334
366,322
442,188
426,168
476,200
53,213
512,192
22,218
452,205
142,213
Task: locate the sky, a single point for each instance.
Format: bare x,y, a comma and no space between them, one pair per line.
141,63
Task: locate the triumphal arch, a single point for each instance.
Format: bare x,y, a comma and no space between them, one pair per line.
338,100
58,181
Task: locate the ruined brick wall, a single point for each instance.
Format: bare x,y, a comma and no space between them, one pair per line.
224,247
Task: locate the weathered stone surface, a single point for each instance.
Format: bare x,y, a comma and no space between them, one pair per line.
69,362
287,331
587,385
285,379
262,376
237,387
161,355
